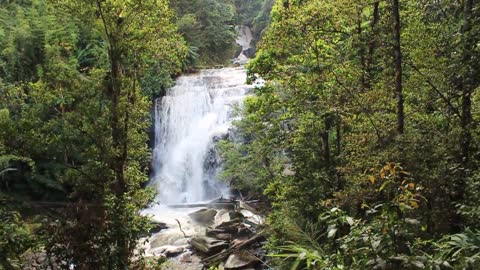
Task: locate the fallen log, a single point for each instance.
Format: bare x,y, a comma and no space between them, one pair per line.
221,204
225,253
217,205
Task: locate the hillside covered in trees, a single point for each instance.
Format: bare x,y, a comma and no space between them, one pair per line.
365,139
363,143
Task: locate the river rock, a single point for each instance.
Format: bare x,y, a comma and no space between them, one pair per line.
232,226
235,215
169,251
173,251
208,245
224,236
213,232
186,257
157,227
240,260
219,234
204,216
252,218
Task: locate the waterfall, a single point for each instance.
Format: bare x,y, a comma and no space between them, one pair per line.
189,120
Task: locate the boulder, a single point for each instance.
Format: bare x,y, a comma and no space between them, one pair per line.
186,257
222,216
204,216
208,245
157,227
224,236
169,251
219,234
252,218
232,226
235,215
240,260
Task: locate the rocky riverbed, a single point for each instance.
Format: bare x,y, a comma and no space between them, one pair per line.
195,238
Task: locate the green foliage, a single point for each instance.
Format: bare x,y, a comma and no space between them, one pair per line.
322,133
14,239
75,94
462,250
254,13
208,27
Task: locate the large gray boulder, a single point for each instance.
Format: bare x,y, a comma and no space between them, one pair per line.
157,226
218,234
240,260
208,245
203,216
235,215
232,226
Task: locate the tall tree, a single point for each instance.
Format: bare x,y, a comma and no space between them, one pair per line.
135,33
467,83
397,48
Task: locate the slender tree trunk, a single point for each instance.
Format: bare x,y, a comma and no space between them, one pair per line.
361,53
339,134
398,67
466,88
118,133
118,161
467,84
372,43
326,142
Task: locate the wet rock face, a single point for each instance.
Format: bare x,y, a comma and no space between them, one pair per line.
189,120
204,216
250,52
211,160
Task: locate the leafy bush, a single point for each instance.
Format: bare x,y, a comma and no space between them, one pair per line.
15,239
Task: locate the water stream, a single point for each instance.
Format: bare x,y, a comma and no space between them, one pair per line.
189,120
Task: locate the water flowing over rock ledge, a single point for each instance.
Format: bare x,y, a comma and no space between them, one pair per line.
189,120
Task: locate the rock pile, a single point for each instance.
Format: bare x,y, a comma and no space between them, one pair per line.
234,242
230,239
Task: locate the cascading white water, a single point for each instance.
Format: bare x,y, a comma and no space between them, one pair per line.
192,116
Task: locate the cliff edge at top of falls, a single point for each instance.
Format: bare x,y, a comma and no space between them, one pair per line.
244,40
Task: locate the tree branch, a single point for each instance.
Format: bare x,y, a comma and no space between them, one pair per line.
435,88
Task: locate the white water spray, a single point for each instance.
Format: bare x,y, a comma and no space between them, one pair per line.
193,115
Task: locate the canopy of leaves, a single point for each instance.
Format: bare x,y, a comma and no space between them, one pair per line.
322,132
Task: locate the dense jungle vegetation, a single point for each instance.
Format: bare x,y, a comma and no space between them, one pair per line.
364,141
77,78
365,138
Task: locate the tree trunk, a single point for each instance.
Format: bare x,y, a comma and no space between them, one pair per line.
467,85
118,161
325,138
372,45
339,134
398,67
361,53
466,89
